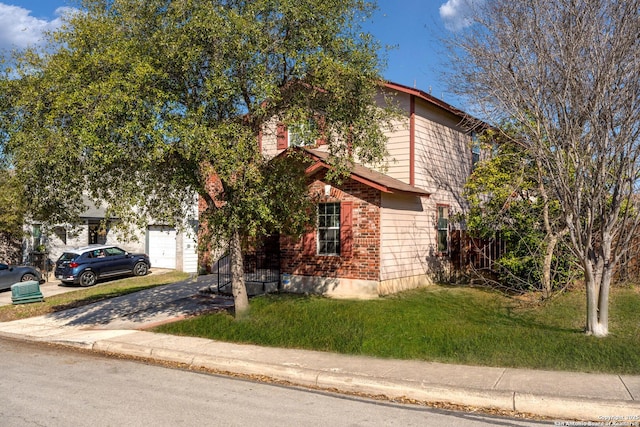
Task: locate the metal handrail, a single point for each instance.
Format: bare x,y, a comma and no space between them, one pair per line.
259,267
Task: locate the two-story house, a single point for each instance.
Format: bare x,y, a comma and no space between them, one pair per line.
379,233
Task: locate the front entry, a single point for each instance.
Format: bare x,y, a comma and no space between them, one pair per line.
97,233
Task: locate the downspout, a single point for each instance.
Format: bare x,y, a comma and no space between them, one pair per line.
412,140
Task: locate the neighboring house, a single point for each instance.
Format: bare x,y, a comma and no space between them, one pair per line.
166,246
379,233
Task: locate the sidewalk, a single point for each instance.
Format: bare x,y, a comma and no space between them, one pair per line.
560,395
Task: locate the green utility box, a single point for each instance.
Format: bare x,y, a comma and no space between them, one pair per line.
24,292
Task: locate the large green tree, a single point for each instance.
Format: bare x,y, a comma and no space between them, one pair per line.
509,201
140,103
12,195
568,72
12,204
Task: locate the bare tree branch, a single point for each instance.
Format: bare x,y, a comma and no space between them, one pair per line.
569,72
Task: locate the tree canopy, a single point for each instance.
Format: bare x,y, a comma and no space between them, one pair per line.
568,72
12,195
138,104
508,202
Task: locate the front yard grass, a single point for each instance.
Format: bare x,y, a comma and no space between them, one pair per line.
84,296
445,324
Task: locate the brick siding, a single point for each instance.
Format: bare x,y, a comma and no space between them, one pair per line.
364,262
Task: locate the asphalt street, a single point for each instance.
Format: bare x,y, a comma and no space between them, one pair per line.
117,326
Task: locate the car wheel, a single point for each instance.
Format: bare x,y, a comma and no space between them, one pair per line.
88,278
28,276
140,269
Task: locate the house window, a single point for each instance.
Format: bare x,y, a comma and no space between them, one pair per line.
308,133
475,155
329,229
475,150
302,134
443,229
36,233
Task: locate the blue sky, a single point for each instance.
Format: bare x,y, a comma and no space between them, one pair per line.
413,27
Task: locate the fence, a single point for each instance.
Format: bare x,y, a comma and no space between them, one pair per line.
261,267
473,253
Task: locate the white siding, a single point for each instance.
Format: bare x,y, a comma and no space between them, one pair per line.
79,236
269,140
188,248
398,153
443,156
136,244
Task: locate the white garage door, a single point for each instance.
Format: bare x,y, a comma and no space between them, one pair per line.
162,247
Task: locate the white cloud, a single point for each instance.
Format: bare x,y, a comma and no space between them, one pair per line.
456,14
19,29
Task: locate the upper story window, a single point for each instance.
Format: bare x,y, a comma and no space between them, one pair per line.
309,133
302,134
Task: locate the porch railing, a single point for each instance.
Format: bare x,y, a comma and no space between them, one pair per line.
261,270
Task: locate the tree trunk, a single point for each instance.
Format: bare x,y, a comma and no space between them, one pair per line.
550,237
546,265
238,287
598,280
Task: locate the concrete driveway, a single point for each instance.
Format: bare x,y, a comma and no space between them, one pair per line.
54,287
147,308
48,289
138,310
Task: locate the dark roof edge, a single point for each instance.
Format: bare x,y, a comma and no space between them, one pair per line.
477,123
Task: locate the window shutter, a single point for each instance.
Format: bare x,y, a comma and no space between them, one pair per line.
322,124
309,243
281,136
346,229
350,140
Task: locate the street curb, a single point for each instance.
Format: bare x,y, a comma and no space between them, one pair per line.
544,405
583,409
421,392
319,378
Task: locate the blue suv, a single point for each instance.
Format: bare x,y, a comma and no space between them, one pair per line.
84,266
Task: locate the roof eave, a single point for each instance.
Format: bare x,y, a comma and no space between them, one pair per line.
321,165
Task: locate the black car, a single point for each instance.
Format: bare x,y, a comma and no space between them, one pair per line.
11,274
84,266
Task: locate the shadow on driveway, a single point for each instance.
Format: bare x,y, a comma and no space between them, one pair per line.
147,308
